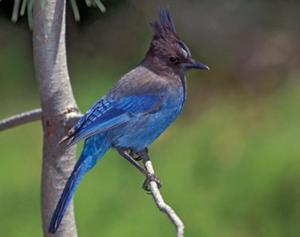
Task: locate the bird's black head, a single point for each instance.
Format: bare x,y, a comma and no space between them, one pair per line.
167,53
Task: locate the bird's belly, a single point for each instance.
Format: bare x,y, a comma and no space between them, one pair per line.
141,131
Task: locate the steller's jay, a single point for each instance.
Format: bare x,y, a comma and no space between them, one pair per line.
142,104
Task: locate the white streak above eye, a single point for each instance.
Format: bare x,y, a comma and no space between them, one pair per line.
185,50
185,53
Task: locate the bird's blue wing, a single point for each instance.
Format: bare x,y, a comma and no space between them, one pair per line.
137,104
109,113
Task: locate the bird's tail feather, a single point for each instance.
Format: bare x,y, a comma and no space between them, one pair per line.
65,198
94,148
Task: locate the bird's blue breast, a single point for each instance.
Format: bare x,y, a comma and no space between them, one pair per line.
143,129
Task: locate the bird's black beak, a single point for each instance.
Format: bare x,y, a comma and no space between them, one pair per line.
192,63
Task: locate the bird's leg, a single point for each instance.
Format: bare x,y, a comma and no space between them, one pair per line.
149,177
127,154
137,156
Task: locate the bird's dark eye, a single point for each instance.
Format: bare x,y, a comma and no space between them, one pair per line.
173,60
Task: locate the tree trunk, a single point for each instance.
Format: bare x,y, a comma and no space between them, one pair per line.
57,102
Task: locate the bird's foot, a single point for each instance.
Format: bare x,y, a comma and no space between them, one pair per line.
149,178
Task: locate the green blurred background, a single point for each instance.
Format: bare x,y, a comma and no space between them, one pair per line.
229,165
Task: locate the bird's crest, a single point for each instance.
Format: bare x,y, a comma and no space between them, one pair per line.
165,39
165,27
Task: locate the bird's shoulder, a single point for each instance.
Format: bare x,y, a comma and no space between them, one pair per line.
139,81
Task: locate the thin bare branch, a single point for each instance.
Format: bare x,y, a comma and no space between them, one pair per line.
160,203
20,119
71,117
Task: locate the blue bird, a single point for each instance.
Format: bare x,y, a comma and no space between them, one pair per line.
142,104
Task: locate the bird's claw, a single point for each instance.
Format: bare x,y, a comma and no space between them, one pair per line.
150,178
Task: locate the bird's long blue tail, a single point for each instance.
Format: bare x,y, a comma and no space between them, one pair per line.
94,148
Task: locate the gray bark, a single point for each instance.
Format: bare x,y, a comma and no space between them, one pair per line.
57,103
